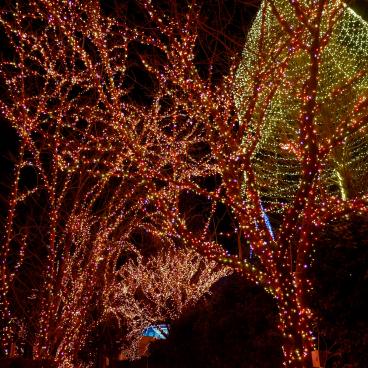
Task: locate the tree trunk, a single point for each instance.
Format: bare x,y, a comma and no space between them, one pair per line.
295,324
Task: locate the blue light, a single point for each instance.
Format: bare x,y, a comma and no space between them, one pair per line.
267,221
156,331
268,225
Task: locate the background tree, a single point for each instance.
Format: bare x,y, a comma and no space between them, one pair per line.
342,81
146,292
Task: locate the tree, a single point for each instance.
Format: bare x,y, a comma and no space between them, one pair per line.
342,80
78,200
157,290
187,138
85,178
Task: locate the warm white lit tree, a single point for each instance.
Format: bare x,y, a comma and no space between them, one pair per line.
80,191
146,292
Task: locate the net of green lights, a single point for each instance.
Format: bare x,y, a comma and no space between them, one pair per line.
342,81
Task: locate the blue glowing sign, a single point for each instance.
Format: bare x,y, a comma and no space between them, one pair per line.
156,331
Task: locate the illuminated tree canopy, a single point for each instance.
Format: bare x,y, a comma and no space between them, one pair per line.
157,290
